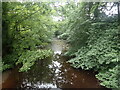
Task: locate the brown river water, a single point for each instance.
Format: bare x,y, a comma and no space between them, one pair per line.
53,72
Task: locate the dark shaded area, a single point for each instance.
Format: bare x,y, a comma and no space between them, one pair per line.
52,72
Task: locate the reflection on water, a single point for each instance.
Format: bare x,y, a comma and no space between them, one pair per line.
52,72
58,46
57,52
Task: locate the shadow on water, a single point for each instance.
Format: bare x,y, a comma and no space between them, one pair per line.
52,72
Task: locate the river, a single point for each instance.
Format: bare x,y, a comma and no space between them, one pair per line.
53,72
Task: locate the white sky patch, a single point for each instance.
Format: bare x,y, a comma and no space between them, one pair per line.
112,11
57,4
107,11
57,18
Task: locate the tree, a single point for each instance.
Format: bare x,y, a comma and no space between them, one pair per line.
95,42
118,6
25,26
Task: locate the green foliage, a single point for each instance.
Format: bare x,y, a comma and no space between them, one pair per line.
94,44
28,58
109,77
94,41
101,54
5,66
26,26
63,36
62,12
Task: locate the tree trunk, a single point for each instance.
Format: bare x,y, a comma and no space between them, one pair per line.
90,6
96,11
118,5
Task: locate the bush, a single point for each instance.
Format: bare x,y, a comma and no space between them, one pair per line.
100,54
63,36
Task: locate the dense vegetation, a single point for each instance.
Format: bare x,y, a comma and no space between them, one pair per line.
26,27
93,35
95,42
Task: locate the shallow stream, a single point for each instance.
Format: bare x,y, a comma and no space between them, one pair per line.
52,72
